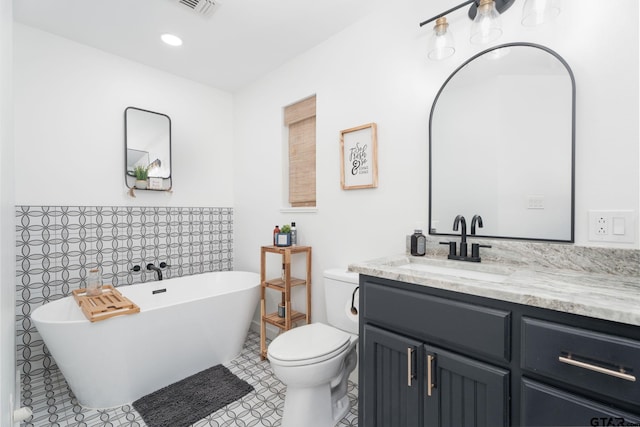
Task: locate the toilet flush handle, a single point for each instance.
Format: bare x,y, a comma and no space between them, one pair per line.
354,310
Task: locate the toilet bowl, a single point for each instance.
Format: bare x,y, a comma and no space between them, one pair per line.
314,361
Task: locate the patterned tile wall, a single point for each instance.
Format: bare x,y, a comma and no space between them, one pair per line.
56,246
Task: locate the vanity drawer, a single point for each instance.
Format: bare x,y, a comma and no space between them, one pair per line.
601,363
439,320
543,405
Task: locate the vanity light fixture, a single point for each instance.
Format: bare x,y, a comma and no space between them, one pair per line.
538,12
441,43
171,39
486,26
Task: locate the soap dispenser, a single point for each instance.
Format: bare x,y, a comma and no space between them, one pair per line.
418,243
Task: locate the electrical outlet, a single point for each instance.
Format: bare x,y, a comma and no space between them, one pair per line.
612,226
602,225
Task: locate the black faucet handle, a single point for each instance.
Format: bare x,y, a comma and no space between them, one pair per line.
135,268
475,249
452,247
164,265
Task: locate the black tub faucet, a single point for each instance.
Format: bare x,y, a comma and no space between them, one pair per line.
476,219
150,266
463,242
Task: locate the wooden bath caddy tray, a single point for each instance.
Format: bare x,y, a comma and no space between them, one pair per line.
110,303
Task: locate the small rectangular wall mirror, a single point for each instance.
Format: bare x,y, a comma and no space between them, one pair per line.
147,149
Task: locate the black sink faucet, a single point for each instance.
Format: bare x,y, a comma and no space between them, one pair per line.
150,266
463,242
475,248
476,219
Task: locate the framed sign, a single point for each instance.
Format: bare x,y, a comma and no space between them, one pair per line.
359,157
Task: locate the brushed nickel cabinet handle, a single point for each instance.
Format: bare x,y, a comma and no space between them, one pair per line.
429,374
409,365
596,368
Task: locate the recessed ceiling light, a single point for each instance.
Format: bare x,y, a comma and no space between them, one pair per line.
171,40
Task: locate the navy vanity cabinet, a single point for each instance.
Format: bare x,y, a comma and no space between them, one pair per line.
501,362
408,377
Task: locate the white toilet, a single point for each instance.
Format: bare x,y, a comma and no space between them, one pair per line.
314,361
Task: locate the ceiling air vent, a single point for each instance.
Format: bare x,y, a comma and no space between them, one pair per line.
201,7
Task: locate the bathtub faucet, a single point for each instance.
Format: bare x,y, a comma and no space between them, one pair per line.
150,266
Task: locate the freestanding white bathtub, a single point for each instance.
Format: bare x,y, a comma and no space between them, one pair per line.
200,321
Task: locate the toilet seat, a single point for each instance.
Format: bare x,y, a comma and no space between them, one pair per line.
308,344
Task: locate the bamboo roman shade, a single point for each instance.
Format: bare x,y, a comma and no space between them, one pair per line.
300,118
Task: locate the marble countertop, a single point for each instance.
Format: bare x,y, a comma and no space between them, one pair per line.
600,295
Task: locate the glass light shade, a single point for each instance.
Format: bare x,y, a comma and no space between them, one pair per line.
538,12
440,44
486,26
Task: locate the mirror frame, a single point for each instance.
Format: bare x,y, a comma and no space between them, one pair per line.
127,176
573,141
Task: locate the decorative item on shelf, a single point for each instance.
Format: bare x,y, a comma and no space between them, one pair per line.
275,235
359,157
142,174
294,234
155,183
283,238
281,310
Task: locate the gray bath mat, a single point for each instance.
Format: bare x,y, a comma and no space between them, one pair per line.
191,399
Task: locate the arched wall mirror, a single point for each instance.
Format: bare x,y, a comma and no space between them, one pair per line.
147,146
502,143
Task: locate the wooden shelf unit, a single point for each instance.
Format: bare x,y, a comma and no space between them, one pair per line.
284,287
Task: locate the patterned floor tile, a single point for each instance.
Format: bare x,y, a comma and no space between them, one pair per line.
54,404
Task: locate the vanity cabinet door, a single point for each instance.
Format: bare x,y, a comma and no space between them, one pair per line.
393,378
463,391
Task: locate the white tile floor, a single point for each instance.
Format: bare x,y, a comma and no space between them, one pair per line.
54,404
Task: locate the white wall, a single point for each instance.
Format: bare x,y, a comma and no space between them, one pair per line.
69,127
376,71
7,214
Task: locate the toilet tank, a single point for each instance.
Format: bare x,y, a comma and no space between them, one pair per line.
339,285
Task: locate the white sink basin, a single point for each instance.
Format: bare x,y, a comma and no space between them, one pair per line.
457,272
